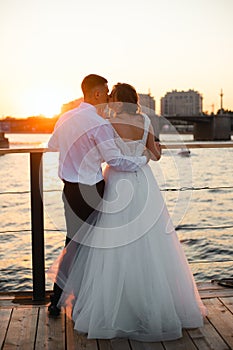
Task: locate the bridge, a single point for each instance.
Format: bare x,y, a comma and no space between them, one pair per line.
30,125
206,127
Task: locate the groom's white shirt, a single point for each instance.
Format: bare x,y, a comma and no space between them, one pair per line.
85,140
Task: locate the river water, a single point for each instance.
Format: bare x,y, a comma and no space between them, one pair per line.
198,191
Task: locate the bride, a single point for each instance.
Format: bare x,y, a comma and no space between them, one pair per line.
129,276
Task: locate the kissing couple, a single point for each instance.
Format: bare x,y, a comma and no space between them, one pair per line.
122,272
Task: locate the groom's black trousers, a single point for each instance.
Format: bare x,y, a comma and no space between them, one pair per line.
80,201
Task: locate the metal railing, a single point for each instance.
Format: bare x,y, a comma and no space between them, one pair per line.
37,209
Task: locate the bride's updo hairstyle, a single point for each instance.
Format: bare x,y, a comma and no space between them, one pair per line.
127,94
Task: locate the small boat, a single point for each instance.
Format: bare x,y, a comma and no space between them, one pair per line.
184,152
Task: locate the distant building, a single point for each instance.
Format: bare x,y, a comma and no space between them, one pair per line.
147,103
71,105
181,103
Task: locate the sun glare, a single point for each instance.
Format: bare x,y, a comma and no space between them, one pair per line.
45,100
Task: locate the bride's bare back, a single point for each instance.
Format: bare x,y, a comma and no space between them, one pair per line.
129,127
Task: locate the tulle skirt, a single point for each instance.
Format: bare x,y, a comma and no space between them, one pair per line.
128,276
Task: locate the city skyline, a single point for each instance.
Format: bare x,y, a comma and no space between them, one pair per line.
157,46
155,105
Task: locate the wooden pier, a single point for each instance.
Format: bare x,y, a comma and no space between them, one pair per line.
25,325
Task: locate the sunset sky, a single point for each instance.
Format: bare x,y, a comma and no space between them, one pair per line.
48,46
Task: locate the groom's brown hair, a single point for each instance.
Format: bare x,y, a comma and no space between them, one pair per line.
91,81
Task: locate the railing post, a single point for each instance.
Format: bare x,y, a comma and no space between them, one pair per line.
37,225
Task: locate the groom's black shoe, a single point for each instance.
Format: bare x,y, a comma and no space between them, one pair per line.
54,311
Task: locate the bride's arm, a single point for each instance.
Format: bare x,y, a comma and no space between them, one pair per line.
152,146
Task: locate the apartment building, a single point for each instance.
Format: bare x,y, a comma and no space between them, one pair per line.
184,103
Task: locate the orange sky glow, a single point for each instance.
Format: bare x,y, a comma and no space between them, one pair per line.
47,47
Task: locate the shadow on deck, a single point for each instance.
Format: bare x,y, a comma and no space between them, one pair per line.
24,324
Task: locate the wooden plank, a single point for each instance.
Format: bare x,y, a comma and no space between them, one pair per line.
184,343
104,344
217,333
22,329
5,316
114,344
209,286
207,338
136,345
23,298
20,299
226,292
206,285
221,318
228,302
20,303
50,331
20,295
76,341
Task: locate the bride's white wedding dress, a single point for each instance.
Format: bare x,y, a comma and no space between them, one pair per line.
130,277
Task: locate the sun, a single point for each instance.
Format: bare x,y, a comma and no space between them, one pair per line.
45,99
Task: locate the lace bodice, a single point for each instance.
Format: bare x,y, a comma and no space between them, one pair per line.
134,147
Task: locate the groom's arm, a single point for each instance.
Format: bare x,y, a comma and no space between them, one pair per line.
104,138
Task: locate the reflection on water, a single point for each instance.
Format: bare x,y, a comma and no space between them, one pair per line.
190,210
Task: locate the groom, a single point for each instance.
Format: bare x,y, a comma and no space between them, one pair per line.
85,140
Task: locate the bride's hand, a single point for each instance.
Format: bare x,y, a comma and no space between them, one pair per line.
147,154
